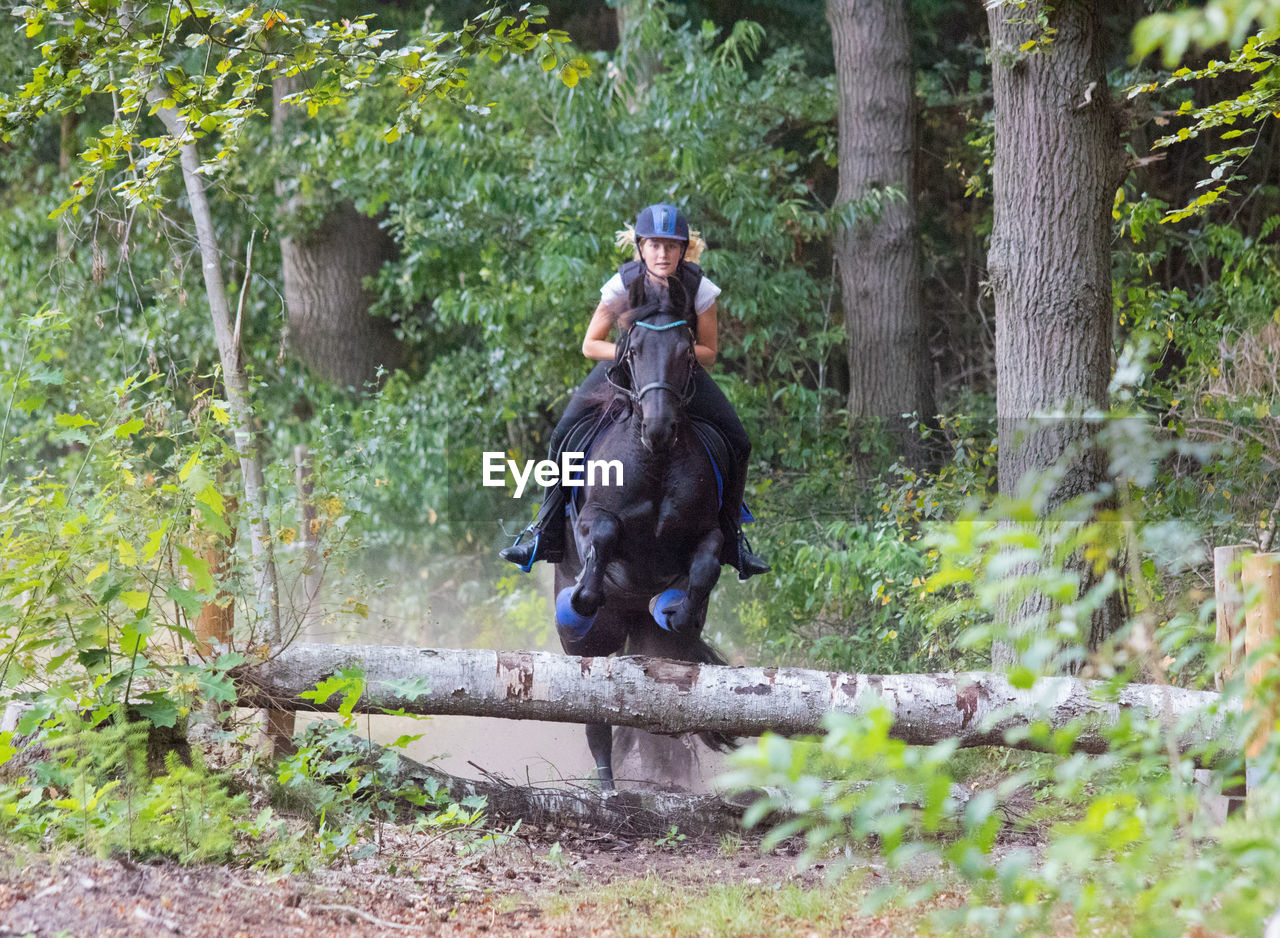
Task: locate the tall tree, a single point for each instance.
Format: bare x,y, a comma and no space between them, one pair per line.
1058,162
876,251
330,328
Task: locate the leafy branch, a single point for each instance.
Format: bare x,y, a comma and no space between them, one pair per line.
214,64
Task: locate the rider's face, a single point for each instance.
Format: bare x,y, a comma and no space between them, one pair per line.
661,255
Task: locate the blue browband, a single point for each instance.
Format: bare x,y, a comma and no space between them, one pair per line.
670,325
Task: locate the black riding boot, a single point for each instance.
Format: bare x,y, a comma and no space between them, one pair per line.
545,535
737,550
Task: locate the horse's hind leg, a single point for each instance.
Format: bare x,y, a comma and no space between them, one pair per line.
600,742
704,572
598,537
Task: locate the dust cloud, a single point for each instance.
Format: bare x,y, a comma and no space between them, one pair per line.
460,603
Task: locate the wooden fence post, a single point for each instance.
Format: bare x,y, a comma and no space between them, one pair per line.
1228,592
1260,575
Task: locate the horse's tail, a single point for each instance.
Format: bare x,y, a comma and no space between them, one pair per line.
703,652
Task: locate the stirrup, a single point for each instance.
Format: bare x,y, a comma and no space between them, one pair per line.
546,544
523,553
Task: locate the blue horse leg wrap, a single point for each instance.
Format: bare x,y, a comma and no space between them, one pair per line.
660,602
568,621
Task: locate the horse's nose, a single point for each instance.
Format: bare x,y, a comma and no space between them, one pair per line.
657,435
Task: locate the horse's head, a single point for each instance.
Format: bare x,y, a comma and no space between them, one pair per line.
660,360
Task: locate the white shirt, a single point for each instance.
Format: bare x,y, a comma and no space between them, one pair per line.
614,292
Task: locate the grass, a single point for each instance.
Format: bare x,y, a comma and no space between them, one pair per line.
654,906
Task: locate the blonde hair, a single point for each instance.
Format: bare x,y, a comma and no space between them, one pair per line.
626,238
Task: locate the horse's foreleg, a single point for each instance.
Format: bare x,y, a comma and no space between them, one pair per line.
597,540
704,572
600,742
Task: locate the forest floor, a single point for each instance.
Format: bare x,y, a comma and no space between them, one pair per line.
537,885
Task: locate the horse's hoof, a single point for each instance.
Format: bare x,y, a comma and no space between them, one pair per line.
569,621
667,609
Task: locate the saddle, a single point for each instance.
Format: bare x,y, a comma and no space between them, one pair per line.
583,434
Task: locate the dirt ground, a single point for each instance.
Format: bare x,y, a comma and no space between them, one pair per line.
525,886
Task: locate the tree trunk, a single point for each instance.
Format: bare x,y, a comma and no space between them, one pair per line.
655,694
638,60
877,255
234,378
1058,162
330,329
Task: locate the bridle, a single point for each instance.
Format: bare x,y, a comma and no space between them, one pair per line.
684,394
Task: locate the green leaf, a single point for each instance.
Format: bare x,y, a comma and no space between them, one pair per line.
133,638
93,658
410,688
217,686
130,428
158,709
1021,677
187,469
348,681
191,601
198,567
135,599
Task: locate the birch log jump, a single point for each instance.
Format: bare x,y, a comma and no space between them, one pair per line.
976,708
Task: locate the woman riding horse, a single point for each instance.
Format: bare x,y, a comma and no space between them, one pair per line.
665,252
644,555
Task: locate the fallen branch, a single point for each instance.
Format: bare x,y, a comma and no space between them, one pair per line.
975,708
638,813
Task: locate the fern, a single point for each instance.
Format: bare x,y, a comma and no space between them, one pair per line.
98,794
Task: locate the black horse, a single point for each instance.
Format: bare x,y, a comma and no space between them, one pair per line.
643,556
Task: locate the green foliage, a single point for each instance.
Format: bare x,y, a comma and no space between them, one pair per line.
671,839
1127,849
96,601
852,563
854,784
96,793
351,790
1216,377
1238,119
1215,23
215,62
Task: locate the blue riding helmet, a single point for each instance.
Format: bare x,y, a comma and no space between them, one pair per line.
663,220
